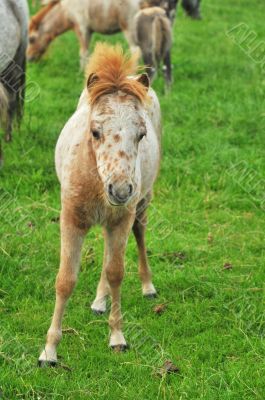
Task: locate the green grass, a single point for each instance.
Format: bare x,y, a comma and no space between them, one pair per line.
208,205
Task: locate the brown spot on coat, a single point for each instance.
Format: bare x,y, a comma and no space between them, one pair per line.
122,154
117,138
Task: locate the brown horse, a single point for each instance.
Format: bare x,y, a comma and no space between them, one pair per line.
107,159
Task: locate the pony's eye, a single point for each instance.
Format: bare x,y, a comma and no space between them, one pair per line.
32,40
96,134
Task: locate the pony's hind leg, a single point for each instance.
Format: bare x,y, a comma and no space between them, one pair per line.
99,304
116,240
71,243
139,227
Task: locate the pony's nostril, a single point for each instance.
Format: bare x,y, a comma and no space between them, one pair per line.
110,189
130,189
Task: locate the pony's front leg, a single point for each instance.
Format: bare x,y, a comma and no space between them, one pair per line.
139,227
99,304
71,244
84,36
116,240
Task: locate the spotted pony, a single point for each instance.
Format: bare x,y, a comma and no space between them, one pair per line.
107,160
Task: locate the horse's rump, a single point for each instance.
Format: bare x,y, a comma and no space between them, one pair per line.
162,37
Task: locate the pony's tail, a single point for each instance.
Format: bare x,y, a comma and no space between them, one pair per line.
4,101
162,37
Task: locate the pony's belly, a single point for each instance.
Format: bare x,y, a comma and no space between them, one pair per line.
104,17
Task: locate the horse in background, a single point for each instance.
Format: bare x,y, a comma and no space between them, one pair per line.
84,17
107,159
14,17
152,33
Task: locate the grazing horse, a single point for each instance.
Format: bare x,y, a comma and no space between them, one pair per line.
152,33
107,159
14,17
84,17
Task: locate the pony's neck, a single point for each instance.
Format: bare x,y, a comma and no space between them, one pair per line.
56,22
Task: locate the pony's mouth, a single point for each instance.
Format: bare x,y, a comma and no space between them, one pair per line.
121,196
116,203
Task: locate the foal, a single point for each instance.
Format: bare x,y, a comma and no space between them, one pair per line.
107,159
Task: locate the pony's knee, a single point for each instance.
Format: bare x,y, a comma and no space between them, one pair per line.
65,285
114,275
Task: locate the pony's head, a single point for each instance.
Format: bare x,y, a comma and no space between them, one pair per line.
40,32
117,124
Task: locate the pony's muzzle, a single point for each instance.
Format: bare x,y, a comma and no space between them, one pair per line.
120,193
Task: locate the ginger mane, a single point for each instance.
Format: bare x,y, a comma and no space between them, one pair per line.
36,19
111,70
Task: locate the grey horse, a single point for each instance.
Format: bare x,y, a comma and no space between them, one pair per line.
14,19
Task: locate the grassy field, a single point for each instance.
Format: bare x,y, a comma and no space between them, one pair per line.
205,238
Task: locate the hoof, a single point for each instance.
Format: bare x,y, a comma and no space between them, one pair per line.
98,306
150,295
118,348
98,312
46,363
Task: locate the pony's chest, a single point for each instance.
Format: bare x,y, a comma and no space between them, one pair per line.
89,209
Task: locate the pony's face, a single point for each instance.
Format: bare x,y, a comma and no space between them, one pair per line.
117,128
38,43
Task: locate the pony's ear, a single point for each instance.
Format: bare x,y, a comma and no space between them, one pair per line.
144,80
91,80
